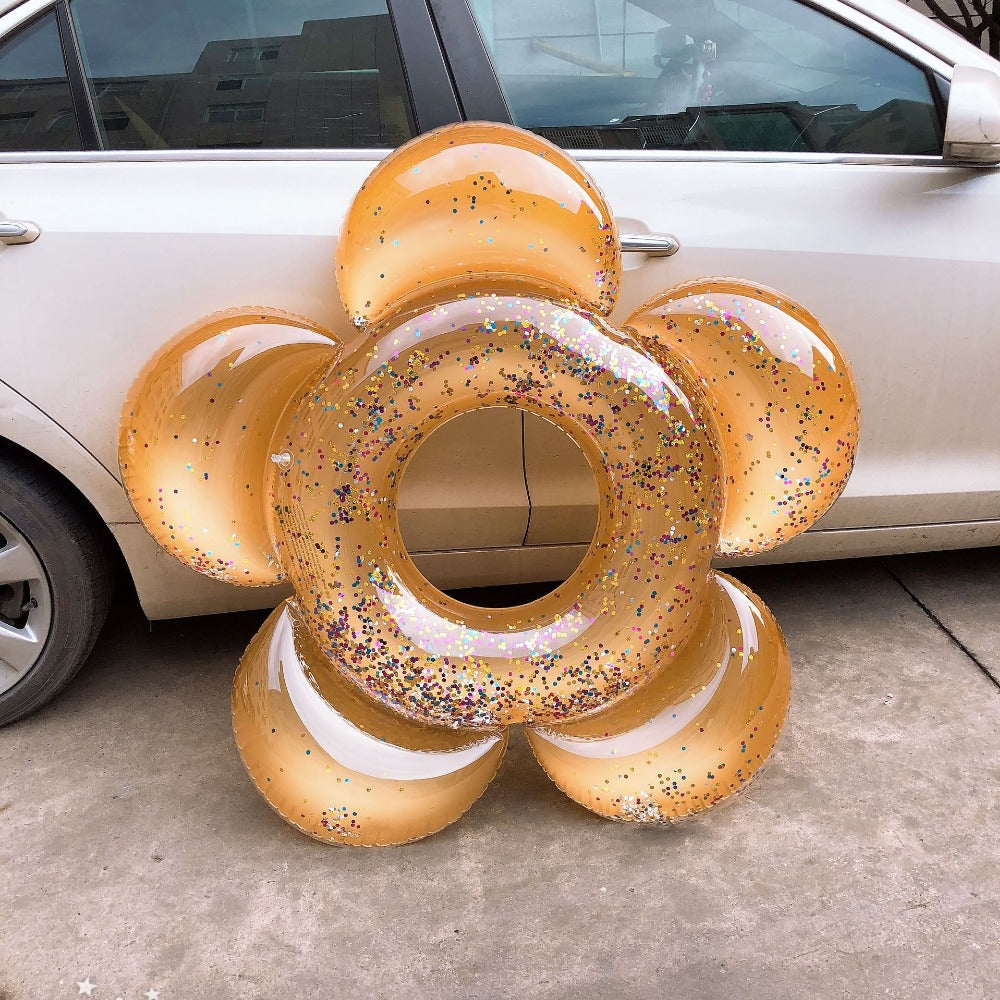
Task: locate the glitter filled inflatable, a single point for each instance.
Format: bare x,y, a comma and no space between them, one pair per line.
482,262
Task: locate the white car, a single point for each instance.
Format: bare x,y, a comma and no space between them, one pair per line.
162,161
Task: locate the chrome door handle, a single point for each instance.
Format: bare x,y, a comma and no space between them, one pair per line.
18,232
651,244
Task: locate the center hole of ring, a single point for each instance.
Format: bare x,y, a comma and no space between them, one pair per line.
497,507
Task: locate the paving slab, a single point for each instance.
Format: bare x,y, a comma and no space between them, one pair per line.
962,590
135,854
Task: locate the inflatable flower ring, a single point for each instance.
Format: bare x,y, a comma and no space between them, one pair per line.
371,708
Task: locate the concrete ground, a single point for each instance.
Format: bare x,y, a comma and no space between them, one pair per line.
135,854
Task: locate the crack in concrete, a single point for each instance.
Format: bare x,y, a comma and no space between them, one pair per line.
984,670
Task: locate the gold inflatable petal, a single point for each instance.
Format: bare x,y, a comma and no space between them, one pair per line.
195,437
338,766
476,208
693,736
782,395
634,599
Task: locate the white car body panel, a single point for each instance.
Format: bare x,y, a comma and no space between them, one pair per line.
882,254
136,246
141,250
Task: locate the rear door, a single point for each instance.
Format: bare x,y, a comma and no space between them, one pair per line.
180,158
799,146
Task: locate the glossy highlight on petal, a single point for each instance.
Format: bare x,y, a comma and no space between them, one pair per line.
477,208
782,396
338,766
195,436
692,737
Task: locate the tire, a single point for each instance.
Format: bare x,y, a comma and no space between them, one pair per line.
55,584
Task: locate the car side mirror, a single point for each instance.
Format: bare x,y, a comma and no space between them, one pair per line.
972,126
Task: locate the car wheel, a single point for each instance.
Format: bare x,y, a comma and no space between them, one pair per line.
55,586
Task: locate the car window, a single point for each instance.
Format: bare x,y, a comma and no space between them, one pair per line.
191,74
36,112
752,75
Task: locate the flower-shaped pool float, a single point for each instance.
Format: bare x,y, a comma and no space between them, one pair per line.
482,263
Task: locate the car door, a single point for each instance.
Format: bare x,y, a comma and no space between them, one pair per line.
798,146
179,159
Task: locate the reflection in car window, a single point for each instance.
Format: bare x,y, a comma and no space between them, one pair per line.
36,112
754,75
191,74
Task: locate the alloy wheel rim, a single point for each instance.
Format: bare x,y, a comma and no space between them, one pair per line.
25,606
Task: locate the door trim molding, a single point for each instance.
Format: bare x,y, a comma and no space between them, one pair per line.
375,155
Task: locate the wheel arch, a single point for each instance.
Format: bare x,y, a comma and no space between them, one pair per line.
26,427
33,438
